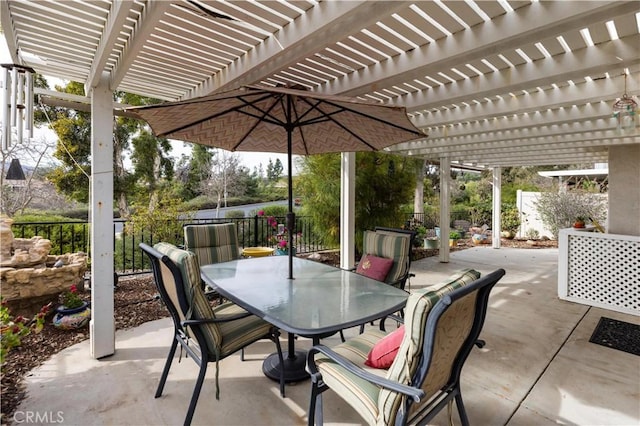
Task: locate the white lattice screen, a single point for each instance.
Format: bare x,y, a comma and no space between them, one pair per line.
603,270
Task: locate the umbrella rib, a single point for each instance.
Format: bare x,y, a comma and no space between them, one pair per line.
294,124
397,126
265,113
327,117
227,111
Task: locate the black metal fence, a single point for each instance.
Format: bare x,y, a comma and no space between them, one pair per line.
73,236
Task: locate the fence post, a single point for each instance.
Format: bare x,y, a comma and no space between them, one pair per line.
255,230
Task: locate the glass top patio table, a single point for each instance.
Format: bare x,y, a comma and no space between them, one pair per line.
319,300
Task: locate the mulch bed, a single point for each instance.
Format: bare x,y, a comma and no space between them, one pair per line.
135,303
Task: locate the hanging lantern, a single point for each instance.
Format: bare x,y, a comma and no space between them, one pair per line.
625,111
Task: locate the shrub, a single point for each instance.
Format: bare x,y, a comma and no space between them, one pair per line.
234,214
560,209
510,218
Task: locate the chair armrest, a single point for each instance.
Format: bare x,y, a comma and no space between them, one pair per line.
396,318
226,318
414,393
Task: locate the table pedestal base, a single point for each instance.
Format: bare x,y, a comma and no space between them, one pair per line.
294,367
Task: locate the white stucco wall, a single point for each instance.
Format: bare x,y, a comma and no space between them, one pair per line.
624,189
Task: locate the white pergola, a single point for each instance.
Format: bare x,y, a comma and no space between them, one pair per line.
493,83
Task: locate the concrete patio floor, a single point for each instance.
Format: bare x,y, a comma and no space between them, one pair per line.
537,368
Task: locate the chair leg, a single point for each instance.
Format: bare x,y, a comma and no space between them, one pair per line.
276,339
196,392
167,366
461,411
315,406
242,354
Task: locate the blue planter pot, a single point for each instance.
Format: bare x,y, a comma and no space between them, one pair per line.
284,252
71,319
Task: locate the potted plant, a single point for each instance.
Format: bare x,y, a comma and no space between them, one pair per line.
510,221
431,242
454,236
73,312
579,222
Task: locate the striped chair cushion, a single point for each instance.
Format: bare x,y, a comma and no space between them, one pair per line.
360,394
419,305
238,333
212,243
200,307
391,246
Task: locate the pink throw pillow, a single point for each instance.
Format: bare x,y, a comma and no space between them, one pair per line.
374,267
384,352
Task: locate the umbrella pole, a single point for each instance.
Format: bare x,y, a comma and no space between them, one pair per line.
291,217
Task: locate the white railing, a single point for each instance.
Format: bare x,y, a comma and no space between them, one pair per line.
600,270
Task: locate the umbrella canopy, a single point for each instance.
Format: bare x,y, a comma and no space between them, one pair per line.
285,120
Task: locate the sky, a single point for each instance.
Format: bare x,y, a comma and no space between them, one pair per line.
248,159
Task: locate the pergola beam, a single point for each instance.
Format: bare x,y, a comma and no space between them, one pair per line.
576,114
110,33
591,61
151,14
508,32
535,137
578,94
324,25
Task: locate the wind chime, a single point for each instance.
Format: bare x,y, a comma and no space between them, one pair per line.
16,112
16,97
625,111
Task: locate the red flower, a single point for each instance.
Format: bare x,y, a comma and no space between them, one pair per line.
260,213
272,222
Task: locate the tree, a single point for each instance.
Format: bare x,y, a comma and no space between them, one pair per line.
274,170
73,129
198,169
384,182
224,177
152,165
73,149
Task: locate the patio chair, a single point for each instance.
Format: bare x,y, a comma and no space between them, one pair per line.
412,236
441,326
218,332
212,243
389,243
386,244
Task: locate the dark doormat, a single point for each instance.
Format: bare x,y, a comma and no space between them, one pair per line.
619,335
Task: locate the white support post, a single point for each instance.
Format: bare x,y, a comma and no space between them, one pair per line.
445,218
496,226
347,209
4,109
102,325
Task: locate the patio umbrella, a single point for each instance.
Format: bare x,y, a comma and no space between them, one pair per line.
284,120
